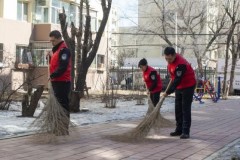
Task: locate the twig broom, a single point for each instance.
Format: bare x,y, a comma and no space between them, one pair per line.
152,120
53,120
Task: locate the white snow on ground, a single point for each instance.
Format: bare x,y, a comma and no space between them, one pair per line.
12,125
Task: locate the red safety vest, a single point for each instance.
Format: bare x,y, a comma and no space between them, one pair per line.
149,82
188,79
54,64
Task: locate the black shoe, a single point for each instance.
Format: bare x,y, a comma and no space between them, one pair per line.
175,133
184,136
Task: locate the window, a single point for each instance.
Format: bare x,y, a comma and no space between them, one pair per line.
21,54
114,23
77,17
93,15
93,24
40,57
73,14
55,15
56,9
41,15
56,3
22,11
39,52
100,61
1,52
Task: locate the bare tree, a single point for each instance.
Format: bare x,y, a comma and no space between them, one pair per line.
6,93
29,101
86,47
197,29
235,51
231,9
31,98
189,18
124,54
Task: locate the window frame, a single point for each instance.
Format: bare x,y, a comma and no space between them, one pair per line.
18,56
24,5
1,52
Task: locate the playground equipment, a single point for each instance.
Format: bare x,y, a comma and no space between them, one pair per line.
205,87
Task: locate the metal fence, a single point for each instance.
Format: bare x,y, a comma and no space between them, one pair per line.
131,78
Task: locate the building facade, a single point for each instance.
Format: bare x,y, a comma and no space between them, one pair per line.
24,29
165,21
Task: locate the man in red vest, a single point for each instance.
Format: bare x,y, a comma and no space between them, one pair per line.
152,80
60,69
183,83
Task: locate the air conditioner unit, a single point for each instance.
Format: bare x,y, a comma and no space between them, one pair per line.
23,0
43,2
68,1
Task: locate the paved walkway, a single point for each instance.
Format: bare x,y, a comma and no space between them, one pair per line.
213,127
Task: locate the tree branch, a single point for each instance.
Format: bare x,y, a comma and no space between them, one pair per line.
95,47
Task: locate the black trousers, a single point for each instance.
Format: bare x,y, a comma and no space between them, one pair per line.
155,98
183,103
61,90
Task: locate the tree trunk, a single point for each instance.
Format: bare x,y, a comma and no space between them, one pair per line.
75,102
79,92
229,37
200,68
72,51
28,110
86,47
234,62
235,52
225,72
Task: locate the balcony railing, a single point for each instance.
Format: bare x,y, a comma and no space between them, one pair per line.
24,66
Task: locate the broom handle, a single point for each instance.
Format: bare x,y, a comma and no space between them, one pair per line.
159,104
49,80
169,84
48,62
48,65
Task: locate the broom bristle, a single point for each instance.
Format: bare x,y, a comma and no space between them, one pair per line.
152,119
160,121
148,122
53,120
150,106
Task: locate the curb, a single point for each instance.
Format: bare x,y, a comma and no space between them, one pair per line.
225,148
17,136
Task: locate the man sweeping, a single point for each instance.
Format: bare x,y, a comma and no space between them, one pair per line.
183,83
152,80
60,71
153,119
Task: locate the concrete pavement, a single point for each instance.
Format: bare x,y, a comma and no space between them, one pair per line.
213,127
